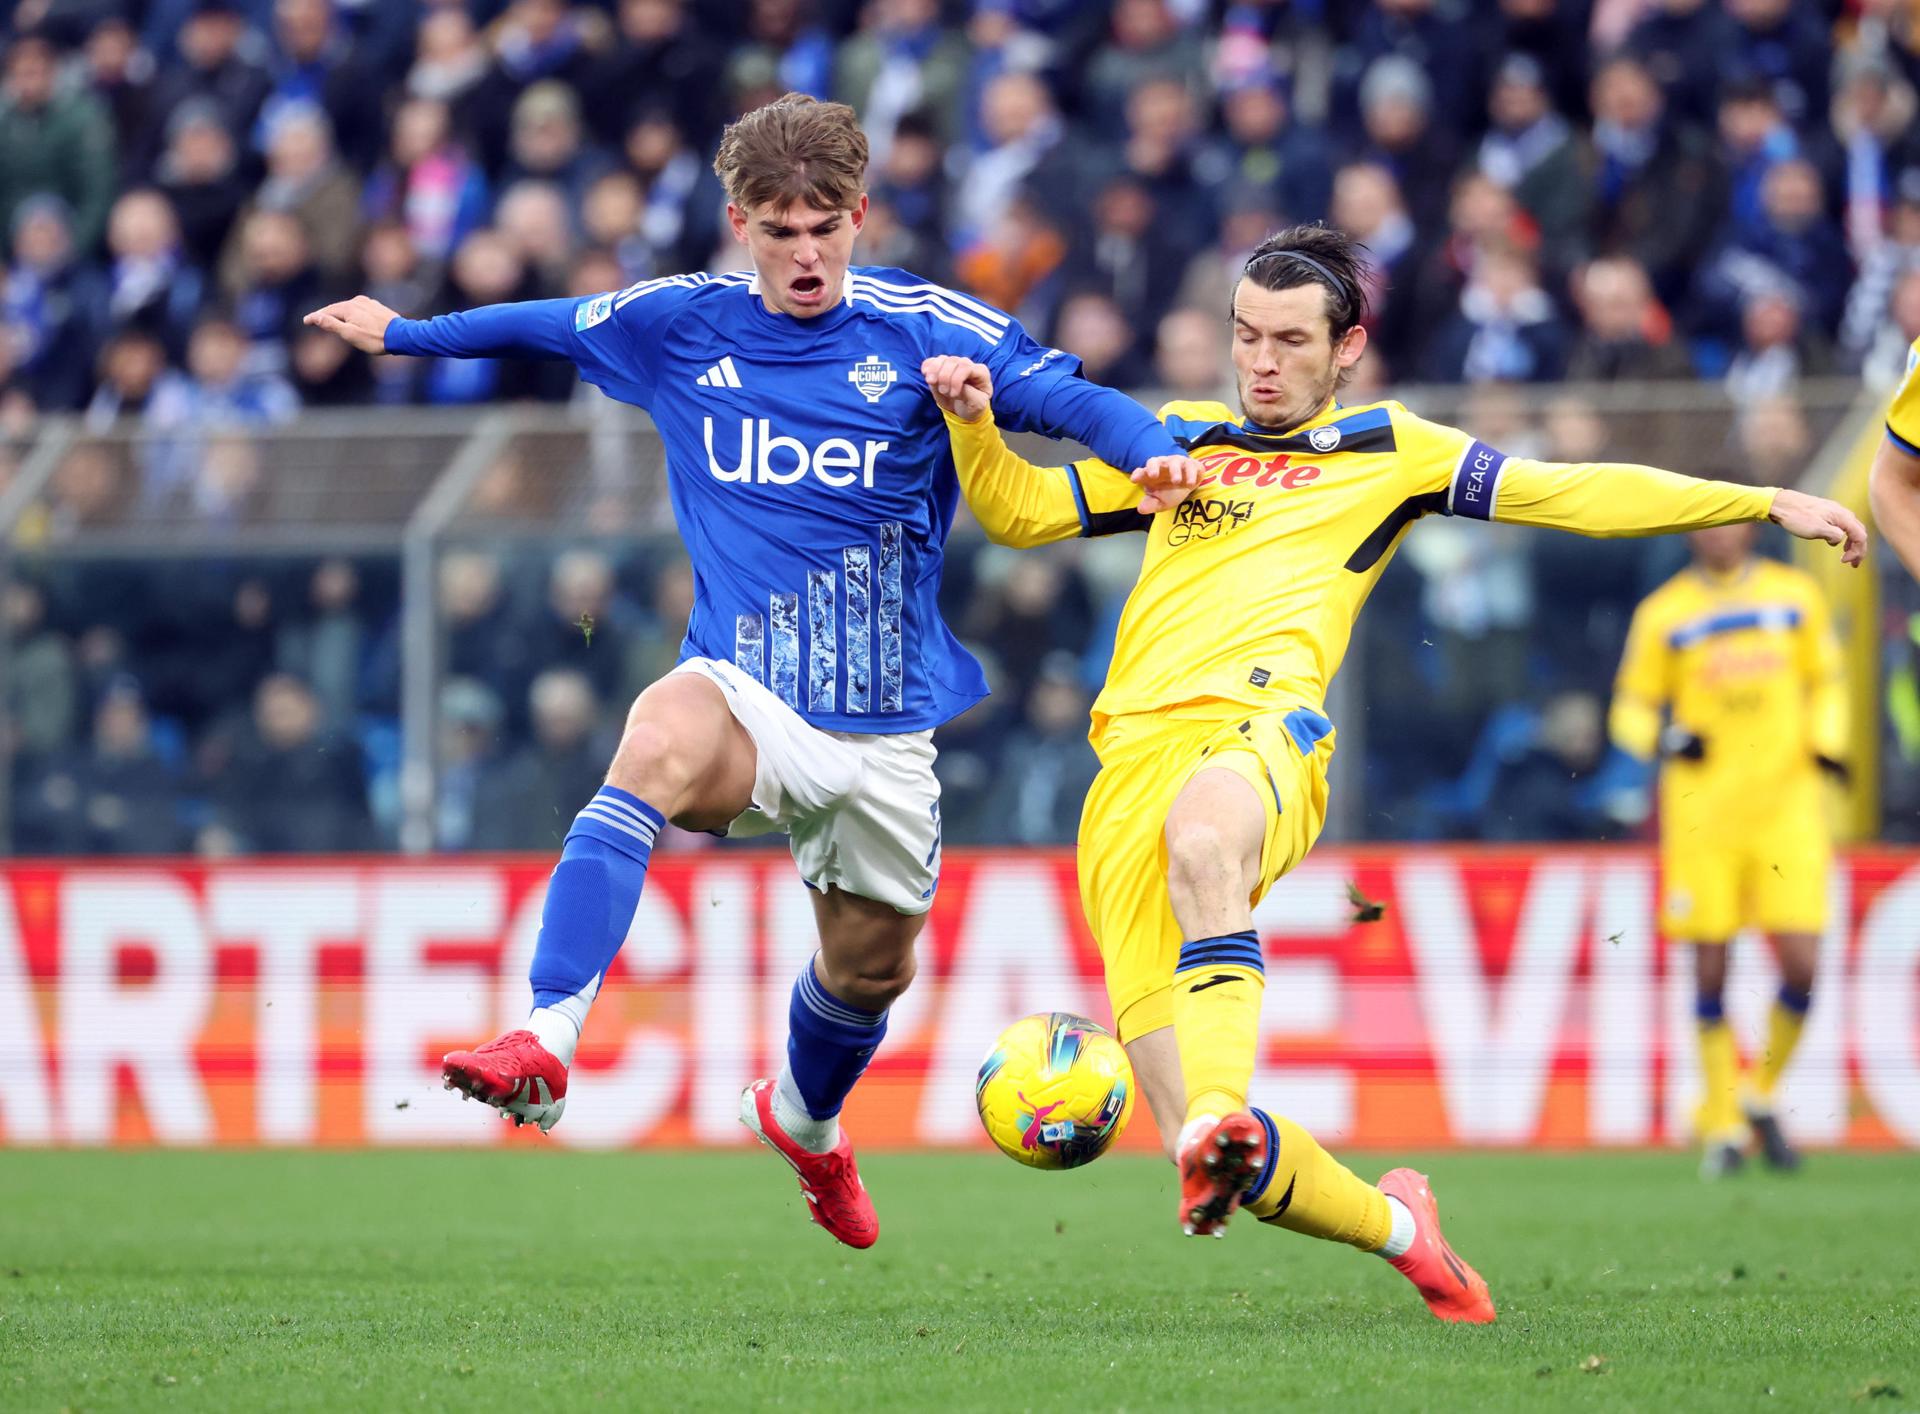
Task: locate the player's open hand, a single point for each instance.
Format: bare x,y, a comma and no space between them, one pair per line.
1817,518
361,321
961,386
1168,481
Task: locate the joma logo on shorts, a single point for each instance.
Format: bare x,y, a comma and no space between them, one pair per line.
765,457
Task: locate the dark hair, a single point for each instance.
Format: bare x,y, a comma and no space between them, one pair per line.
1313,255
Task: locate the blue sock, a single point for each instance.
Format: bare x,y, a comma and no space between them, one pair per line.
591,898
1795,1001
828,1044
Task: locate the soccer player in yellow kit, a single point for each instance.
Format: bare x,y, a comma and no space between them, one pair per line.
1894,486
1732,677
1211,731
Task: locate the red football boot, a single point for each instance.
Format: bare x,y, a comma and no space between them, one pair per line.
836,1198
1217,1167
515,1074
1452,1290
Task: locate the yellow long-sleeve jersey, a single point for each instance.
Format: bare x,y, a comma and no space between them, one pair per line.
1748,663
1903,414
1249,588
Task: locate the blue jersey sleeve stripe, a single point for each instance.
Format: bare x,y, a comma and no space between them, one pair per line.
1079,498
1901,442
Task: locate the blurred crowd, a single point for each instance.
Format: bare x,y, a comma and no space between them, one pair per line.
1549,190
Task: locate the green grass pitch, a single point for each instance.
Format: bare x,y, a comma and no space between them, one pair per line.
539,1280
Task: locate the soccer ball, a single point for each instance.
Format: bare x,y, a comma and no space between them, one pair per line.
1055,1091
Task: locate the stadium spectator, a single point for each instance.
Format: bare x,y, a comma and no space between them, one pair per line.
1784,45
1415,37
535,219
1093,328
1265,156
785,48
1881,271
901,61
42,688
325,373
1189,357
1873,118
1022,134
584,626
52,311
428,183
529,800
325,645
1163,154
1046,765
887,242
270,282
1399,134
305,179
133,373
1147,47
152,282
1130,252
1794,248
1368,205
284,754
468,742
127,796
1626,333
1532,151
122,76
1209,277
1034,606
1886,359
1681,44
910,181
1772,440
1551,36
88,490
1016,262
1482,216
1755,136
1776,351
315,66
200,174
658,56
393,271
683,212
1652,176
1539,792
450,66
53,140
548,143
216,72
483,642
1506,328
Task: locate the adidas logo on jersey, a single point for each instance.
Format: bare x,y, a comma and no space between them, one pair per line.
722,375
774,460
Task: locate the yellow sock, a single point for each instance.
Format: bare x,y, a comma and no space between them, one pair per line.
1720,1071
1305,1189
1217,990
1784,1025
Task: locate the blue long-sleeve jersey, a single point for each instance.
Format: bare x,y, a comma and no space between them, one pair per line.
809,466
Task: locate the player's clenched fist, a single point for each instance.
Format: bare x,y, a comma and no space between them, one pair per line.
961,386
1168,480
361,321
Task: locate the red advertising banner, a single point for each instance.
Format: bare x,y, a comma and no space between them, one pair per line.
1505,998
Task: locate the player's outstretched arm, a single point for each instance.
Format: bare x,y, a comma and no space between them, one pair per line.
528,329
1893,488
1021,504
1618,499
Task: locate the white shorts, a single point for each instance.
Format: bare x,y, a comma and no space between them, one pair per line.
862,811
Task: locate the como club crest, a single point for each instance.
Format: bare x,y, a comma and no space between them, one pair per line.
873,377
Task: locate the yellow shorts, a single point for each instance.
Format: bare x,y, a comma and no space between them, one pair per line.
1145,761
1774,880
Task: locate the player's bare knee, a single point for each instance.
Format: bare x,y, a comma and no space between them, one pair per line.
873,984
652,765
1202,864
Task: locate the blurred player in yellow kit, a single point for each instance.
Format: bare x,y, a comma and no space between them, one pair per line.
1211,731
1895,484
1732,677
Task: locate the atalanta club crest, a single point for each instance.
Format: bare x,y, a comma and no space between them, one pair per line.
1324,439
873,377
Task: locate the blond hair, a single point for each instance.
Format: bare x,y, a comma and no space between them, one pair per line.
794,149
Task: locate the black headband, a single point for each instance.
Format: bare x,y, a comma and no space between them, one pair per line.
1315,266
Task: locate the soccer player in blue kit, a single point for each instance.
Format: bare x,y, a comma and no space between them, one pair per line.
813,482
